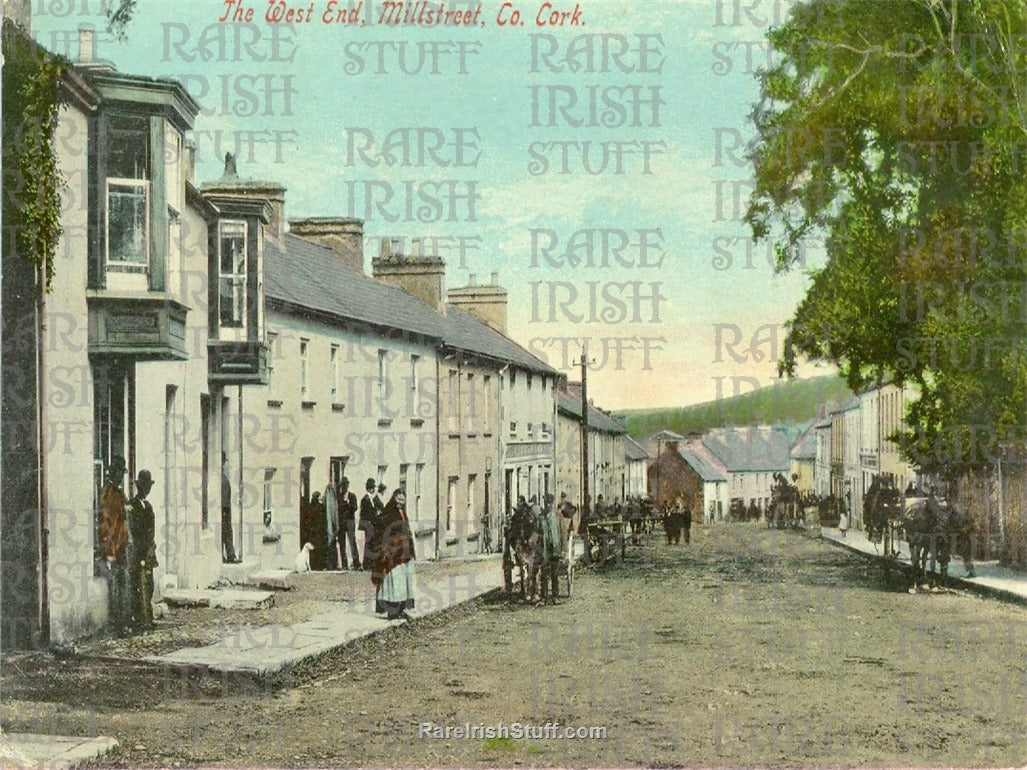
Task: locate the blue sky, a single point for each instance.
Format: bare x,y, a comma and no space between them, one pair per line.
704,85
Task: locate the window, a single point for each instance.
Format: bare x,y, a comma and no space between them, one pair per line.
529,380
269,474
383,374
418,488
128,190
415,399
454,386
531,431
334,360
470,403
470,497
404,469
513,430
513,377
450,502
272,340
546,430
382,470
486,409
232,274
304,344
173,155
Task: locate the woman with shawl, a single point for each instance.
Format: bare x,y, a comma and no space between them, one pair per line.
393,571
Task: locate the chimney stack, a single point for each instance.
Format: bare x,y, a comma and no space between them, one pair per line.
86,44
421,276
343,235
231,185
486,302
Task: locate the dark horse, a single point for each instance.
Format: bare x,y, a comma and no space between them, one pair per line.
931,528
882,506
522,548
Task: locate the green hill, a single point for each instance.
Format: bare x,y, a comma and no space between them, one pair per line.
789,401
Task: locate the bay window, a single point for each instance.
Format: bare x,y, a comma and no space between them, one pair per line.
232,274
128,192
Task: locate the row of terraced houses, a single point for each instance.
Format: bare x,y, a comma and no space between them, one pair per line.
247,361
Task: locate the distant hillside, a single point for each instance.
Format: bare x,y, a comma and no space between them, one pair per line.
790,401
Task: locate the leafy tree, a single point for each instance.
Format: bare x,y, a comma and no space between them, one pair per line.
897,131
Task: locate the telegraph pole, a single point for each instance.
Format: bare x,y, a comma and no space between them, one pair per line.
586,503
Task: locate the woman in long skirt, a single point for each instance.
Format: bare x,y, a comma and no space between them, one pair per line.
393,573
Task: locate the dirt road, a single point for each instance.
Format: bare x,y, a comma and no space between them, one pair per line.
748,647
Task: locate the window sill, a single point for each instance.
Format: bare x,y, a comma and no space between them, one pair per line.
271,537
307,404
425,532
384,422
338,407
472,435
473,537
452,540
416,423
454,435
486,435
274,404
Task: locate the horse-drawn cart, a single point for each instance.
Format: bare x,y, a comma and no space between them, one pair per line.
532,546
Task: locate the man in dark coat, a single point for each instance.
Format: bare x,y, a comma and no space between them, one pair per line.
686,523
369,523
227,540
347,532
143,552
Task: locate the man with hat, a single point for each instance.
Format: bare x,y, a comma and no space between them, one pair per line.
143,551
369,522
347,525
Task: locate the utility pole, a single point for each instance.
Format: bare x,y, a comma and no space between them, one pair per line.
586,503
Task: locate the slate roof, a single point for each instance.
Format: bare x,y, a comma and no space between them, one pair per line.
757,448
699,464
569,402
806,446
633,450
311,277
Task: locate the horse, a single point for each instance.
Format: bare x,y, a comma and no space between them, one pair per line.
881,506
523,548
928,528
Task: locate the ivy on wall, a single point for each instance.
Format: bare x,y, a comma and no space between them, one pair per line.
32,182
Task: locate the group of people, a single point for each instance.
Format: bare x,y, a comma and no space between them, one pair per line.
330,523
677,521
128,550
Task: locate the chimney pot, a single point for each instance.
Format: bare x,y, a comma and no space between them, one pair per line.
473,280
495,279
415,247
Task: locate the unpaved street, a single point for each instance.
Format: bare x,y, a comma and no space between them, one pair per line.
748,647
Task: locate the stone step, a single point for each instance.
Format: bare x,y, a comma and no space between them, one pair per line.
220,598
54,752
276,579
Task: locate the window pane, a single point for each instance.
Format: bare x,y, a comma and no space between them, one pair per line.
128,144
232,282
126,215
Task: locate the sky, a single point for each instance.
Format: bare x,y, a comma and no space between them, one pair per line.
631,240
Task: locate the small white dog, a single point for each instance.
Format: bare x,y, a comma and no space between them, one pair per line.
303,558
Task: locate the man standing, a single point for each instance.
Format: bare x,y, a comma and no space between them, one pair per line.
347,525
369,522
686,522
227,541
114,547
143,552
566,511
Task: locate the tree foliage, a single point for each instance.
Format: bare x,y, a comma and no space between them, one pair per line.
32,182
896,131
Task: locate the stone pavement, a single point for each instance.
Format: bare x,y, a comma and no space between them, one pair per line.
268,649
49,752
990,576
